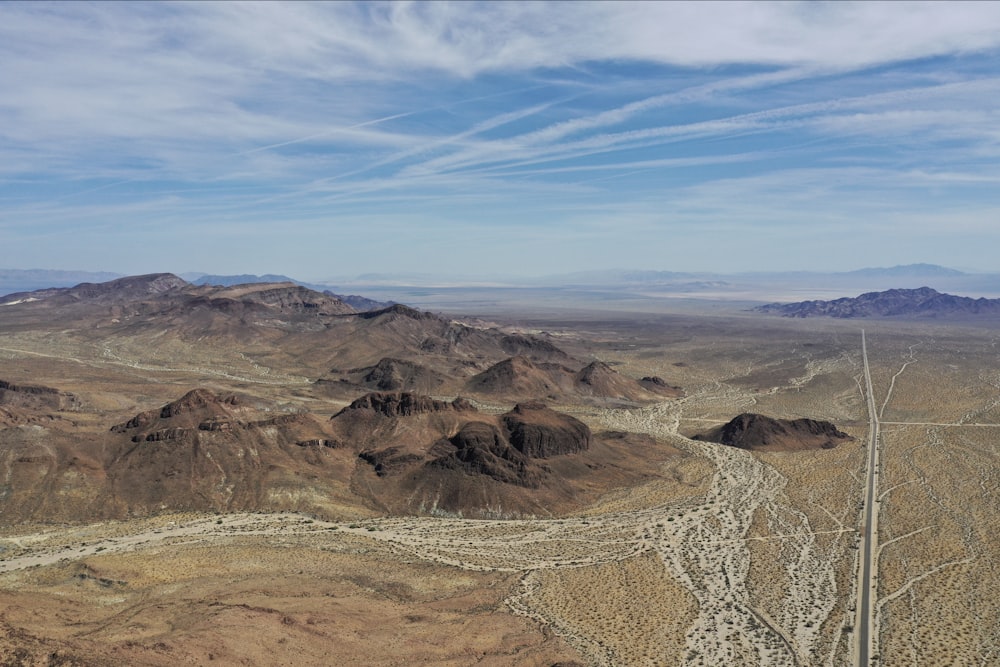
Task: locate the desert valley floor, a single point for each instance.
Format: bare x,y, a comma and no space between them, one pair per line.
685,553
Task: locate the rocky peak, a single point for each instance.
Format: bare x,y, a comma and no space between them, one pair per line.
593,372
539,432
404,403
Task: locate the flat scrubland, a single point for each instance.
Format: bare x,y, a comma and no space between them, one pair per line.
726,557
940,509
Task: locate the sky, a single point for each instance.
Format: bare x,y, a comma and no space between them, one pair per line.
326,141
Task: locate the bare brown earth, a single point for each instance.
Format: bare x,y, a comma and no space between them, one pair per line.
664,551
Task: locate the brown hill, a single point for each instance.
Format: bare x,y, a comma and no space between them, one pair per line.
216,452
600,380
519,378
758,432
388,374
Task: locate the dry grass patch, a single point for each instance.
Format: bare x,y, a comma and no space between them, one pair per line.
631,612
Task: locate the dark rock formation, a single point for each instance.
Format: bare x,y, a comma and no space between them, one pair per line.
480,448
207,451
538,432
758,432
398,310
402,403
660,386
130,288
389,460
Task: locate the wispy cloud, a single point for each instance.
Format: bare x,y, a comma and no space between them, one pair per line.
636,116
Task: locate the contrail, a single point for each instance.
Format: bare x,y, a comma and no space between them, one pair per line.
330,131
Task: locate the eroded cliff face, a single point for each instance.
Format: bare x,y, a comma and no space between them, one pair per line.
36,397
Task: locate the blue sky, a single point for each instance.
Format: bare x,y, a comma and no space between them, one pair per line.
329,140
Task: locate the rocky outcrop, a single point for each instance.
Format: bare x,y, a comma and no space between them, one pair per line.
199,402
398,310
394,431
389,460
36,397
538,432
208,451
658,385
758,432
482,449
402,404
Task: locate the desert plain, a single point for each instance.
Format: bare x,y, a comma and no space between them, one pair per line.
693,553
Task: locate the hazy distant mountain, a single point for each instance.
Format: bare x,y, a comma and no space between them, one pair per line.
245,279
27,280
613,276
645,277
909,270
922,302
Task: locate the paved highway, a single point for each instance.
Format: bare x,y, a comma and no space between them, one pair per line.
866,630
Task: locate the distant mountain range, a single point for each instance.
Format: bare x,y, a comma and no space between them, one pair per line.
921,302
27,280
649,283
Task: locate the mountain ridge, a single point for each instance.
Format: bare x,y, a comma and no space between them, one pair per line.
919,302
